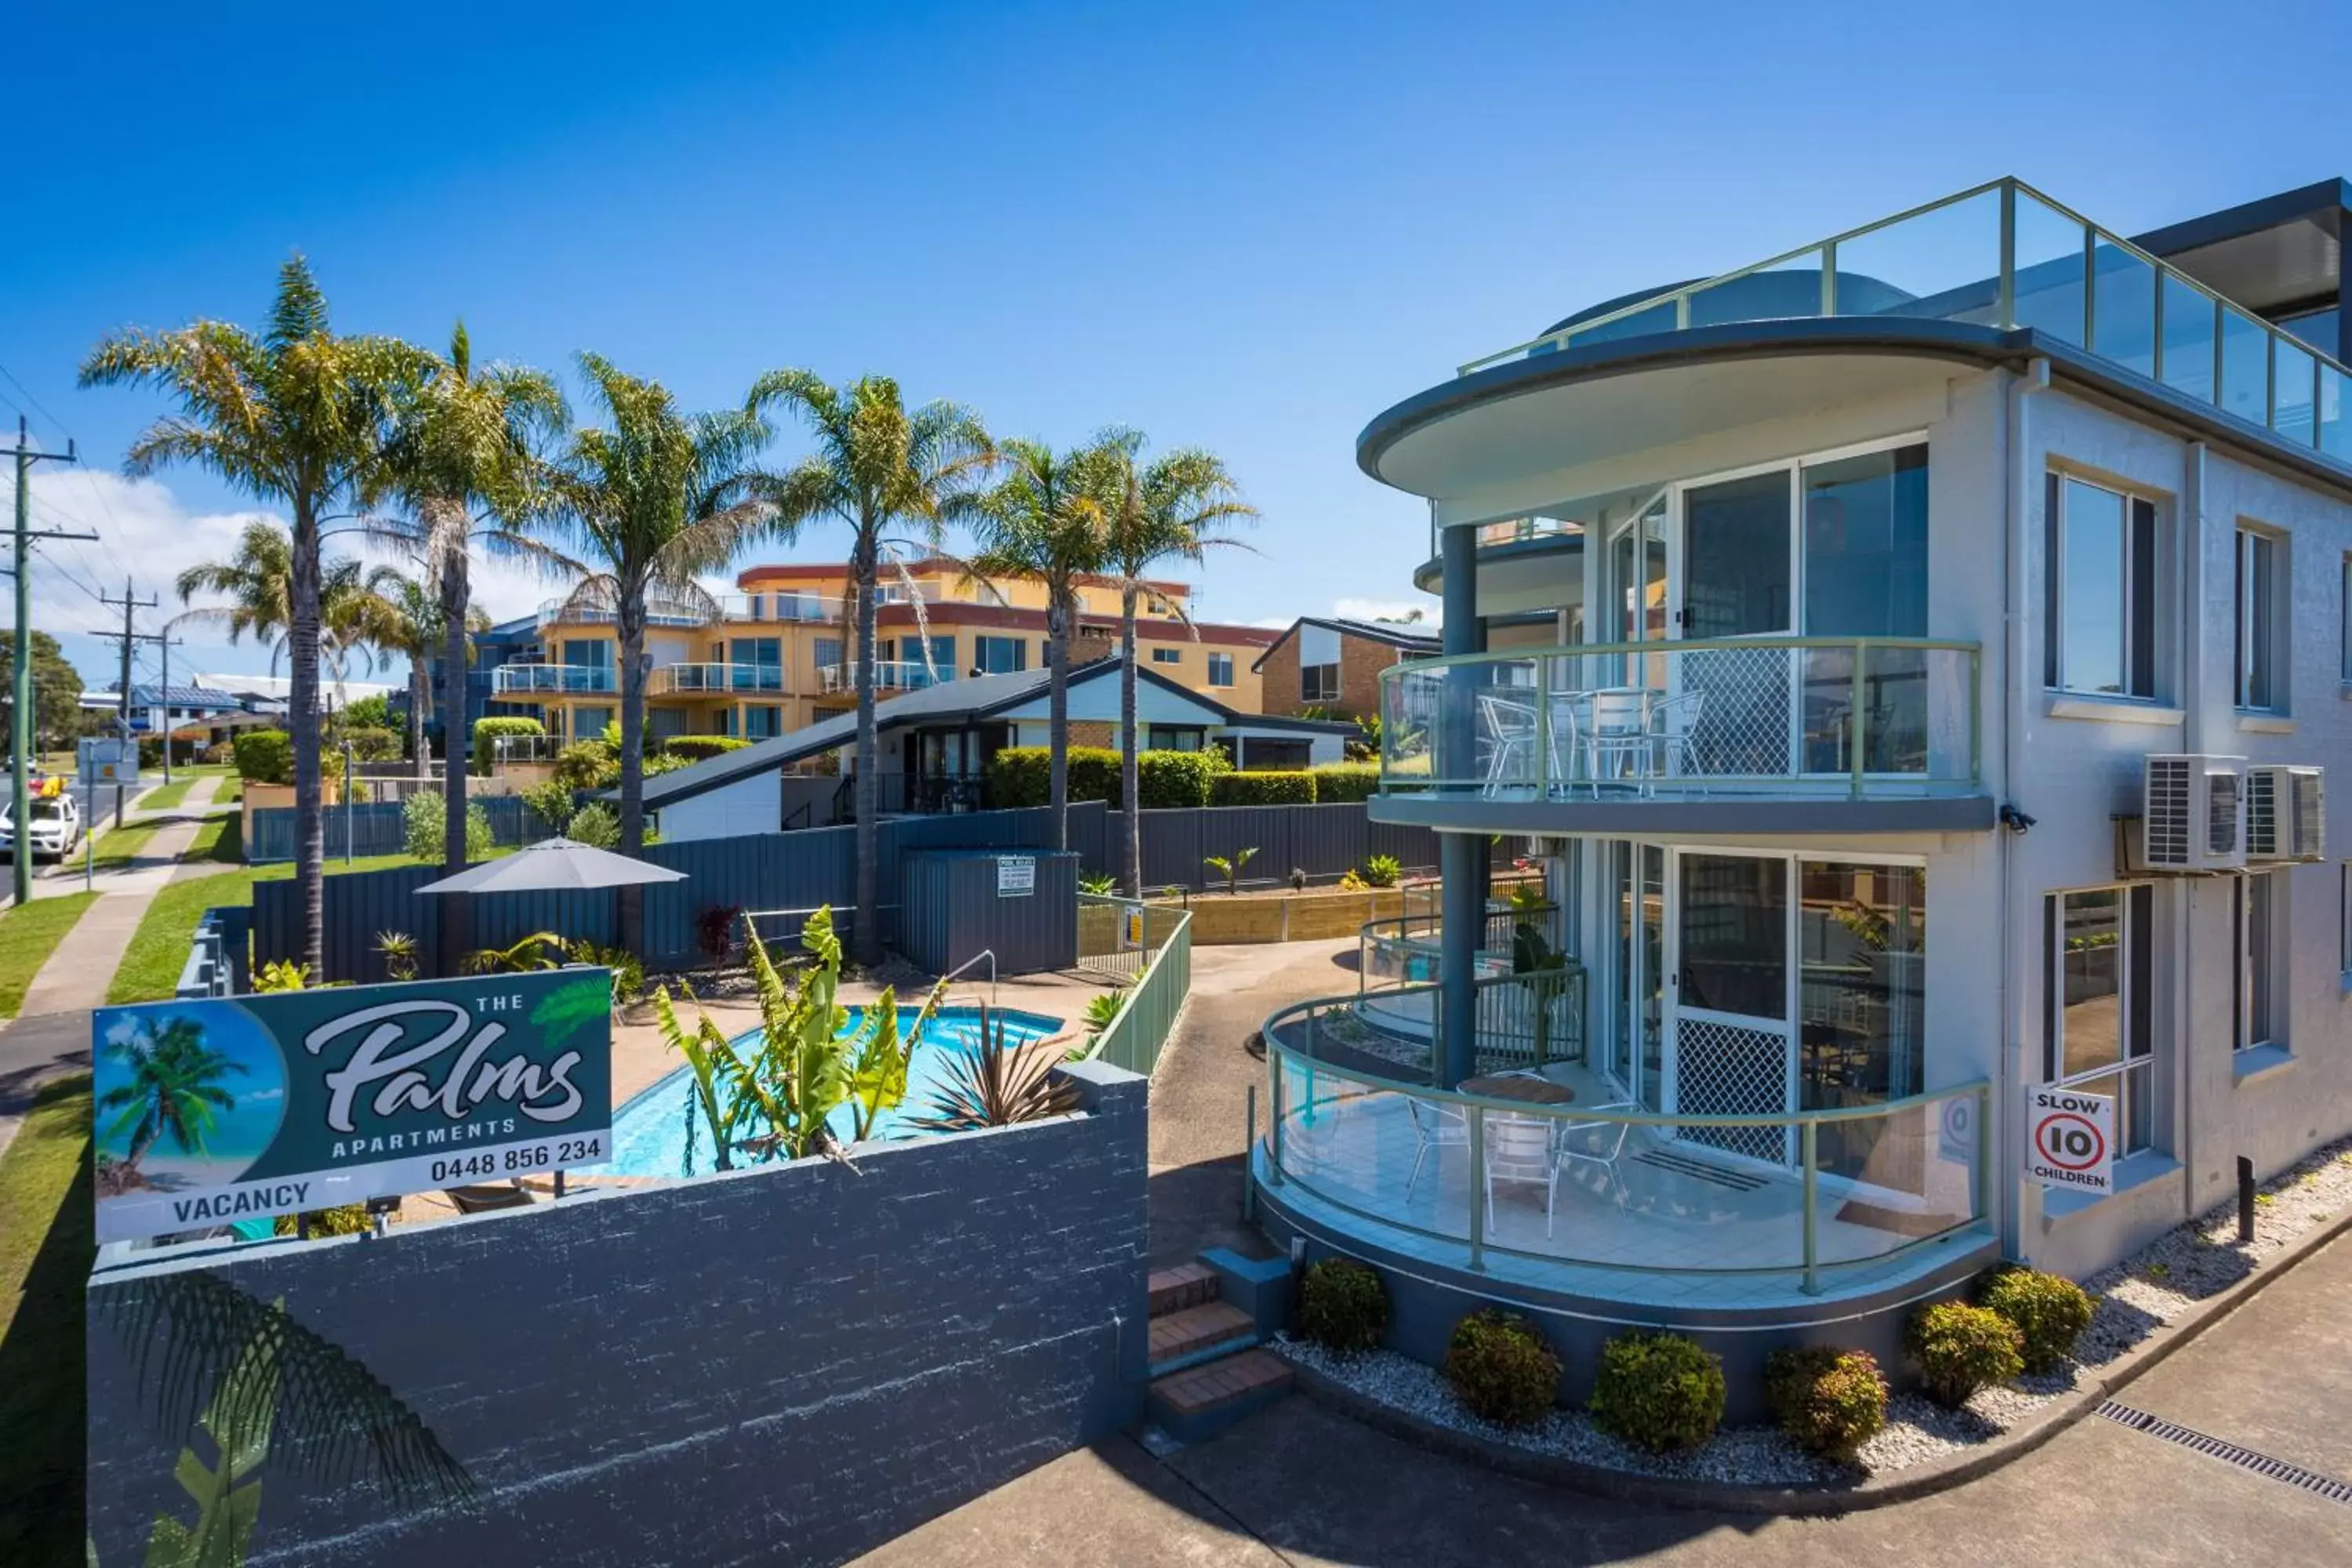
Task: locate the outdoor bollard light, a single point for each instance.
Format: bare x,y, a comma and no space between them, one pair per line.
2245,1199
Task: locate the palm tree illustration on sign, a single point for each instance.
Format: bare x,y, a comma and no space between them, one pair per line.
172,1092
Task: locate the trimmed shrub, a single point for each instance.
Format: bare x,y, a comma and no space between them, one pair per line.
1501,1368
1962,1349
1023,775
1658,1391
2048,1310
1344,783
1165,779
496,724
697,748
1342,1304
1269,788
1828,1401
264,756
657,763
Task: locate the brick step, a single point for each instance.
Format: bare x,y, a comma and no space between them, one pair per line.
1195,1334
1186,1285
1203,1400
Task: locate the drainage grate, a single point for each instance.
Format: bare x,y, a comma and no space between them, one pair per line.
2328,1487
1684,1165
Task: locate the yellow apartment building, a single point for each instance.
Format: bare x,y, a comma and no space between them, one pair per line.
779,655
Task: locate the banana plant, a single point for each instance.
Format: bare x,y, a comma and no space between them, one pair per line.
1231,869
718,1071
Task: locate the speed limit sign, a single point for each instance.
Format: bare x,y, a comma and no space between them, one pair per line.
2070,1140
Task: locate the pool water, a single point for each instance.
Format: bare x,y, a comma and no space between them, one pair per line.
649,1132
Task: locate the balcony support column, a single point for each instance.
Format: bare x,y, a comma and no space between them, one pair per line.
1461,857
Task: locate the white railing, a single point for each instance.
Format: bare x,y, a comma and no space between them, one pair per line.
516,679
889,675
696,680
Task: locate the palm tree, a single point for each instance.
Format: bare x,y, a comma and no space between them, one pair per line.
259,581
1176,507
466,466
650,501
173,1088
297,416
876,465
1038,521
394,614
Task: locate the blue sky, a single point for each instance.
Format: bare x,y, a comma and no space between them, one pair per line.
1247,227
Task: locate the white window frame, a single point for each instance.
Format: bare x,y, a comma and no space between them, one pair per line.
1221,670
2260,619
2135,1076
2248,980
1316,693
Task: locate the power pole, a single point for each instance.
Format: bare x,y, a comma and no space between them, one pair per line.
131,603
20,728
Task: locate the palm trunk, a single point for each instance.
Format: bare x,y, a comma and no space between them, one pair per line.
419,695
867,933
455,757
302,718
1131,770
1058,712
632,620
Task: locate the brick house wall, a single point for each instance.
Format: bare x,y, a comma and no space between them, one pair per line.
1361,659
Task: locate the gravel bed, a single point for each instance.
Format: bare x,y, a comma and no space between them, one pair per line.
2155,1286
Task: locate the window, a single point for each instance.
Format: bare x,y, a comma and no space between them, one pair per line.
2259,614
1173,738
2255,990
999,655
760,722
1166,656
2099,603
1318,664
828,653
2098,1017
587,724
758,664
1265,753
1220,665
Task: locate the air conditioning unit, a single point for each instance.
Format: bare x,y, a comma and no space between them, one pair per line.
2193,814
2286,812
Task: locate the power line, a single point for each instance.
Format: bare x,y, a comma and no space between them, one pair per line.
20,735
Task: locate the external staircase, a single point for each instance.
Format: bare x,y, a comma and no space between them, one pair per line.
1210,1321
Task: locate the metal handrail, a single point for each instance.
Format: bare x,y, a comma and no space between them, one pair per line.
987,952
1474,1107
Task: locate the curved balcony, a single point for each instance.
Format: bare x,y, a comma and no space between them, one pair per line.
1996,275
551,679
1794,734
713,679
1539,1172
889,675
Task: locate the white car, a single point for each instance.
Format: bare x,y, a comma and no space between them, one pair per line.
56,830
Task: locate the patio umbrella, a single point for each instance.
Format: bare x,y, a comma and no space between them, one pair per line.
553,865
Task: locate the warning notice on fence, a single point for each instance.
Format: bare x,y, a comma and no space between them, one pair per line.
2070,1140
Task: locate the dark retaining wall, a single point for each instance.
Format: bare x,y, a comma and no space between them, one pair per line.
784,1365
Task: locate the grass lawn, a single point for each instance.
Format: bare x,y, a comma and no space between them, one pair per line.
232,793
159,948
27,936
170,796
118,847
46,1246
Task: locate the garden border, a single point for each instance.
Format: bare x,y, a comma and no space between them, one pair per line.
1828,1497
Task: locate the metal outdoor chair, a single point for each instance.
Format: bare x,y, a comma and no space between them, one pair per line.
1520,1150
1434,1127
1510,729
1673,726
1618,744
1604,1151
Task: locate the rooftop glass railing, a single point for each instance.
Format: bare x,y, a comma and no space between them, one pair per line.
2004,255
1771,715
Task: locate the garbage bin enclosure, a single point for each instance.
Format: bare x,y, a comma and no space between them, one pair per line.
1023,904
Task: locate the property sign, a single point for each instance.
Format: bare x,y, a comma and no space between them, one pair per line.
209,1111
1016,875
1130,930
2070,1140
106,760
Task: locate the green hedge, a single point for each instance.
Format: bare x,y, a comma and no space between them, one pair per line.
1345,784
487,730
1165,779
264,756
369,745
699,748
1268,788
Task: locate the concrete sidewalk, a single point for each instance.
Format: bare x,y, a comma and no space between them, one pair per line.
152,867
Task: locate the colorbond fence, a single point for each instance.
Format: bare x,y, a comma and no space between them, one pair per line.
817,865
380,829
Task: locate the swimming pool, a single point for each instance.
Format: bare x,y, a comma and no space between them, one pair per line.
649,1132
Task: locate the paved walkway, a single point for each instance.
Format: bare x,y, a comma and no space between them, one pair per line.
155,864
1300,1485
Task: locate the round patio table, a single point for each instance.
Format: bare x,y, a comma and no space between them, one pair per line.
1527,1091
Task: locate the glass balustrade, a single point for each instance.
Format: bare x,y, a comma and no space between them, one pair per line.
1862,717
521,679
1546,1159
2003,254
889,675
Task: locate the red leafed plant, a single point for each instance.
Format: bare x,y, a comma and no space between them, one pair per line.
715,929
